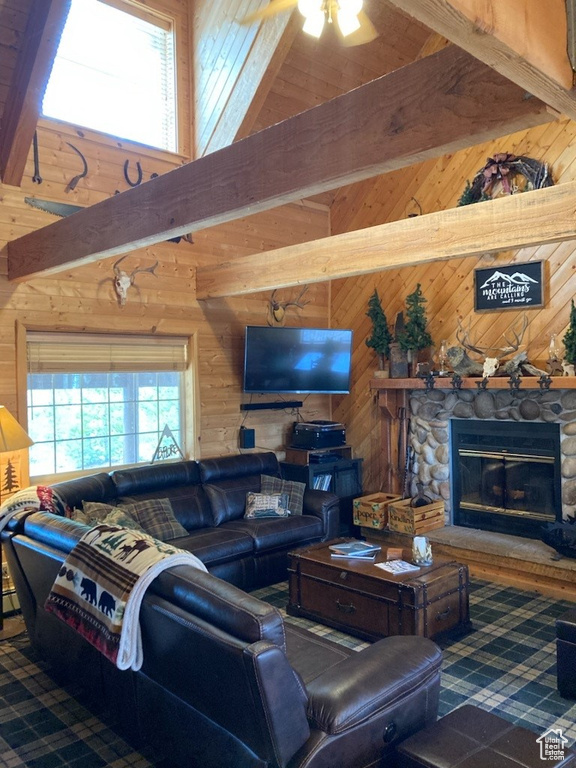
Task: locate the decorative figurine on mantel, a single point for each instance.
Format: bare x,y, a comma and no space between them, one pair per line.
443,359
570,344
554,362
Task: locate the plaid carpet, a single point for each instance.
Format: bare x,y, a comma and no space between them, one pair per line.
506,665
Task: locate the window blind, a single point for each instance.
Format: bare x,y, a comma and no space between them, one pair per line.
95,353
115,72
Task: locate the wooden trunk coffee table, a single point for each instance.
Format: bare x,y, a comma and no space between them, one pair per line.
358,598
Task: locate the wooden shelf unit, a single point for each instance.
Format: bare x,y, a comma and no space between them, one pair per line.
345,475
302,455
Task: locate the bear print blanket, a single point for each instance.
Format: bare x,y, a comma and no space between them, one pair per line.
100,586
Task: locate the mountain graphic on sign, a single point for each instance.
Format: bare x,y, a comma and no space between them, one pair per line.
518,278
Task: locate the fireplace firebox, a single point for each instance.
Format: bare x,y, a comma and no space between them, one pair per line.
505,476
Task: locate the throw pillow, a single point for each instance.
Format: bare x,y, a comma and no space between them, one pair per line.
122,518
294,490
156,517
96,511
266,505
112,516
80,516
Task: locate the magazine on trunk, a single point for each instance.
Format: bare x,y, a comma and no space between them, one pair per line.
359,549
398,566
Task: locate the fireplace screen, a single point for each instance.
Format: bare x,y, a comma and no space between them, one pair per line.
508,484
505,476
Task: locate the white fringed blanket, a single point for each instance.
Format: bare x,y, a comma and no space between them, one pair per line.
100,586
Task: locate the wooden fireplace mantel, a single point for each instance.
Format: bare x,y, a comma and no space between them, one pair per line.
495,382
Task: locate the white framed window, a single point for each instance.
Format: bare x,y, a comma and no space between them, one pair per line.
115,72
98,402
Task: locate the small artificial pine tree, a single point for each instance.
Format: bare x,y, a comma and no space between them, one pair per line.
381,336
415,336
569,339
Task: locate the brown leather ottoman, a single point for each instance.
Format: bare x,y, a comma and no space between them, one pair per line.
470,737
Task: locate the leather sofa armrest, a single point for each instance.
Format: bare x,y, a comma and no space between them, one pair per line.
326,506
371,682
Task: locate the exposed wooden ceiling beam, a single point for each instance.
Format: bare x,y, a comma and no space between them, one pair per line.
434,106
46,21
531,218
524,40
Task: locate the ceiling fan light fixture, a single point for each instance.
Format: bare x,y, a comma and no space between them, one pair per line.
348,22
310,7
314,24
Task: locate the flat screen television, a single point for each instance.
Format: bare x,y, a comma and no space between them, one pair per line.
297,360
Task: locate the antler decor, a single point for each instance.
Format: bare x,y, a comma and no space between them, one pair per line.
464,365
122,280
276,311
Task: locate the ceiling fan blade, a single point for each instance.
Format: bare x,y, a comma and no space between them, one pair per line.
273,7
365,34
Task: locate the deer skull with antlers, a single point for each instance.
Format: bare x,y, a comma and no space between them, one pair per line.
464,365
122,280
276,314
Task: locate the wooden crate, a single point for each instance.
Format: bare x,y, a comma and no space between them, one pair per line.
372,511
415,520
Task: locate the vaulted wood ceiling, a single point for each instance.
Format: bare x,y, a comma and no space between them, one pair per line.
275,72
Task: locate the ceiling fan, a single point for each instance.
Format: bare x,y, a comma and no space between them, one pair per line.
350,21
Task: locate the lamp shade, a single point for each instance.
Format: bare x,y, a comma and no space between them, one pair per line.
12,436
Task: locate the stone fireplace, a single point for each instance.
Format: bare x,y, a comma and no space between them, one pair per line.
502,460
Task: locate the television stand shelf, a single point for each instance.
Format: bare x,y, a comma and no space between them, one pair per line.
341,475
303,455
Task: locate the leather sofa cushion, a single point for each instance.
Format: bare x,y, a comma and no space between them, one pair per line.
189,504
99,487
155,477
232,467
311,655
228,497
221,604
217,545
279,533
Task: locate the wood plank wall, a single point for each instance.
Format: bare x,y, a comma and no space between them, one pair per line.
222,46
83,298
447,286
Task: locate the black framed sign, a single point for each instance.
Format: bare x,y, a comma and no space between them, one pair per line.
516,286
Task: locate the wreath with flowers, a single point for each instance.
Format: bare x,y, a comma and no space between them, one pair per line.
506,174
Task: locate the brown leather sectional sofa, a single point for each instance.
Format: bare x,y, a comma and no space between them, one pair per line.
226,683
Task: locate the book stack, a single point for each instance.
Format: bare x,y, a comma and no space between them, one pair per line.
356,550
322,482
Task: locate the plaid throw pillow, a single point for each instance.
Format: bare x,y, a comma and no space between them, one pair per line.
266,505
97,513
295,491
156,517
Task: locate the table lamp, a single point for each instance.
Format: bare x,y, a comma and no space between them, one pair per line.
12,439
